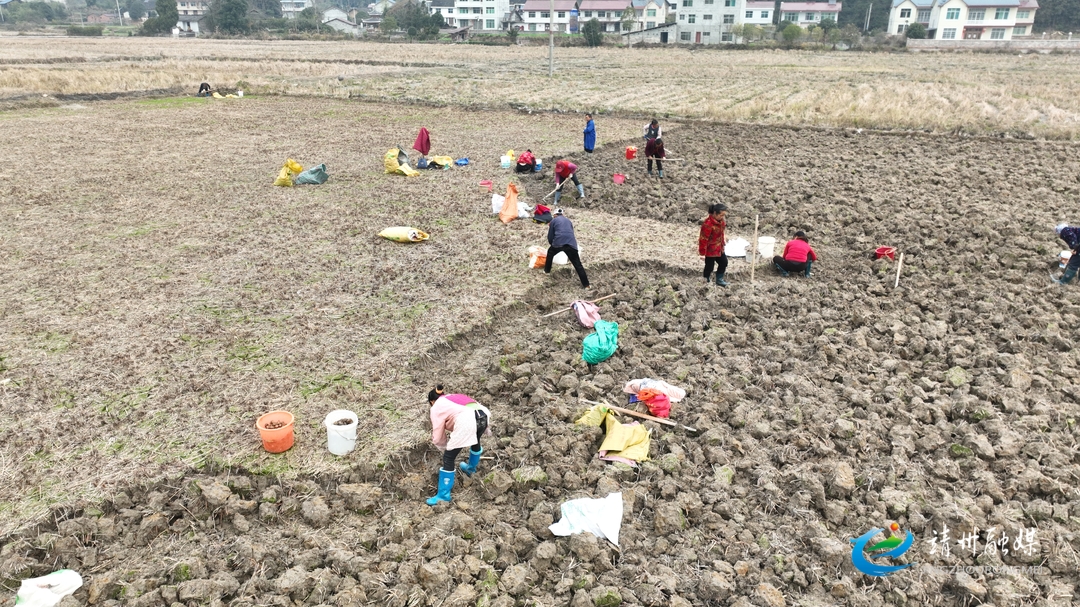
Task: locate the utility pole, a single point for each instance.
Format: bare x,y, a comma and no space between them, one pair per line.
119,14
866,28
551,40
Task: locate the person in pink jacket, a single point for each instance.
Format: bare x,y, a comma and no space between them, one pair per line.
797,257
457,421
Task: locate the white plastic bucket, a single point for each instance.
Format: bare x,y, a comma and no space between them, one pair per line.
765,246
504,161
539,165
239,93
561,258
1063,259
340,440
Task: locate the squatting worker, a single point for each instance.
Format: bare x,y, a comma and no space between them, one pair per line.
1071,236
526,162
590,133
564,169
797,256
561,240
465,420
655,150
711,243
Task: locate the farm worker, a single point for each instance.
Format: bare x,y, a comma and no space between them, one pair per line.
653,131
797,257
435,394
590,133
565,169
1071,236
526,162
204,90
711,243
466,421
655,149
562,240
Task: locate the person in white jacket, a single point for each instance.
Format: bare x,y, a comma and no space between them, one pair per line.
457,421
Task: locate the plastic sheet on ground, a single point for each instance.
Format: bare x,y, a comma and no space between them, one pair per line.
396,162
627,443
600,517
48,590
313,176
599,345
637,386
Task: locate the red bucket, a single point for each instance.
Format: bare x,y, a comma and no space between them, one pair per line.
618,178
889,252
486,184
631,152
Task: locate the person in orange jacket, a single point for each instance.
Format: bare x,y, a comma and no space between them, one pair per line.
711,243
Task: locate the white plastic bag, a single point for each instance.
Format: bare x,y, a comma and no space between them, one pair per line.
737,247
497,201
47,590
600,517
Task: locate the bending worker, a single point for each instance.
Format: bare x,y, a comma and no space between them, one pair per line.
466,421
562,240
797,257
564,169
1071,236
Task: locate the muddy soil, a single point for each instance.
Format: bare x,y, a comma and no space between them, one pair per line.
824,407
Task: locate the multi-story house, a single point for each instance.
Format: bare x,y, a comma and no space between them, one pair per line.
649,13
195,7
906,12
477,15
609,13
756,12
291,8
444,8
965,19
804,14
707,21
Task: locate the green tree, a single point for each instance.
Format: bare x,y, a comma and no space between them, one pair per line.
230,16
916,30
136,9
791,33
855,11
166,20
629,18
388,24
267,9
850,35
827,25
1059,15
594,36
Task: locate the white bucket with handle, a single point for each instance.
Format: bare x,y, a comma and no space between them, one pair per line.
341,436
765,246
1063,259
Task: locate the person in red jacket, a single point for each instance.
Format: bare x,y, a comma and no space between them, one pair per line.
711,243
797,257
564,169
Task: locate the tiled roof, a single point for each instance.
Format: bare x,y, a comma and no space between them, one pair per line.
818,7
897,3
586,5
759,5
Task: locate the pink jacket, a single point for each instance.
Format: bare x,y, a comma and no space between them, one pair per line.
456,414
798,251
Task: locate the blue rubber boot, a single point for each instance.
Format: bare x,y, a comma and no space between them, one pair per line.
474,460
720,282
557,194
782,271
806,272
1067,277
446,483
581,191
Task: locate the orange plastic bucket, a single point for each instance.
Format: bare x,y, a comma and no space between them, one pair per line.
618,177
278,437
631,152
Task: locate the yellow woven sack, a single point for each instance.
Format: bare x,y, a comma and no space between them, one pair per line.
404,234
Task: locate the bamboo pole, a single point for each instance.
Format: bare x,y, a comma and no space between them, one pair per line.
572,307
659,420
753,257
899,265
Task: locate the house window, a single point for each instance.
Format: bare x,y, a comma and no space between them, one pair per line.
691,19
977,15
532,14
544,14
490,10
706,17
682,16
791,17
649,13
1002,13
588,14
477,10
685,36
650,24
997,33
948,33
1020,30
490,24
1023,14
617,14
764,14
706,34
749,14
900,28
905,13
708,1
952,13
532,27
923,16
810,17
726,37
561,14
729,2
688,2
729,18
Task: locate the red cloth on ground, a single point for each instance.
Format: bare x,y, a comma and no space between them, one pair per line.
423,142
711,240
659,405
798,251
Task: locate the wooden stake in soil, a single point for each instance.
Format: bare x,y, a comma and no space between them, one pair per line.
753,258
899,265
572,307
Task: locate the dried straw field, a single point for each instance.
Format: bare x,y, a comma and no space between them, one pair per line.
1025,95
161,294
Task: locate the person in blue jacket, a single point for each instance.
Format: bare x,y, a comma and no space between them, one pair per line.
562,240
590,134
1071,236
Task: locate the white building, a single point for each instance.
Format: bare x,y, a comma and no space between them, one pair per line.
195,7
338,20
965,19
758,13
291,8
608,12
804,14
477,15
649,14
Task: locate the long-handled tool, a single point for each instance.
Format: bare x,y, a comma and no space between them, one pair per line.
557,188
572,307
659,420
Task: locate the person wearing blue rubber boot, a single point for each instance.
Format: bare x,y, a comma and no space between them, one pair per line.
1071,236
457,421
797,256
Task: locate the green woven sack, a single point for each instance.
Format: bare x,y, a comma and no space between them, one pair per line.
600,345
313,176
